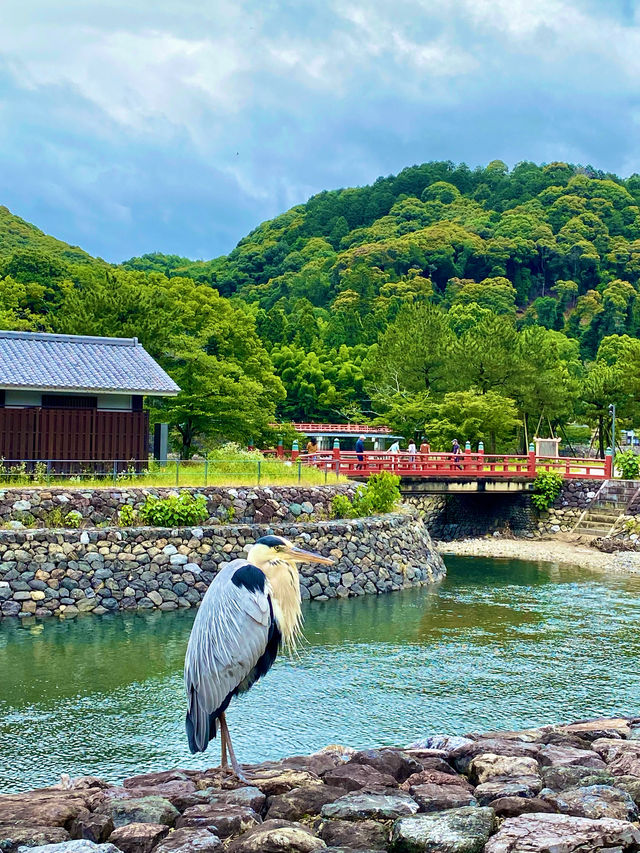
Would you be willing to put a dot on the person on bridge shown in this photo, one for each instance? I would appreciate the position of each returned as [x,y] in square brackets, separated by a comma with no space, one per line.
[425,447]
[360,452]
[312,447]
[457,453]
[411,450]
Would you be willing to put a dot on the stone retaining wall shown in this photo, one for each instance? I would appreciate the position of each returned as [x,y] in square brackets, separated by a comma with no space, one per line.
[97,506]
[66,572]
[575,496]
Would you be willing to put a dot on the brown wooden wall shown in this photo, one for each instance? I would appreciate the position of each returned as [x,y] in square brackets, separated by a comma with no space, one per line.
[73,434]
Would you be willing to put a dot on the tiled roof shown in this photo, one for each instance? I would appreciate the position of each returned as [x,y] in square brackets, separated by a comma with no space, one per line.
[77,363]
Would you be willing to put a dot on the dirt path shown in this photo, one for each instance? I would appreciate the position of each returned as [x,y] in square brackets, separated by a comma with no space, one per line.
[545,550]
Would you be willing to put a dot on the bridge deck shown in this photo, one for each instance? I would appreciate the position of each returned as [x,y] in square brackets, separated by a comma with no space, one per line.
[467,466]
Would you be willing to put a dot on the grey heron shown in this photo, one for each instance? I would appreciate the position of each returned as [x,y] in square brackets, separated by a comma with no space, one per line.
[251,608]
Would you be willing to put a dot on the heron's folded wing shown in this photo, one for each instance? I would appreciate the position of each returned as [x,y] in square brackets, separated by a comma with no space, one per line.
[229,635]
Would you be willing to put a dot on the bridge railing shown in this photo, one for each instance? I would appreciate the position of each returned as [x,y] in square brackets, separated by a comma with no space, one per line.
[466,465]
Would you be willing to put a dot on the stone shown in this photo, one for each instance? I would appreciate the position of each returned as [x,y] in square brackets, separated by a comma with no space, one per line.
[553,833]
[140,810]
[527,786]
[551,755]
[361,835]
[138,837]
[277,836]
[574,776]
[595,801]
[189,841]
[77,846]
[360,806]
[299,802]
[248,796]
[435,777]
[41,808]
[514,806]
[630,784]
[488,767]
[92,826]
[279,780]
[13,837]
[464,830]
[462,756]
[436,798]
[604,727]
[352,777]
[390,761]
[223,819]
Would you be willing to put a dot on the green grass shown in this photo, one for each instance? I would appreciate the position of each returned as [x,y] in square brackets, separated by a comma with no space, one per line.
[215,472]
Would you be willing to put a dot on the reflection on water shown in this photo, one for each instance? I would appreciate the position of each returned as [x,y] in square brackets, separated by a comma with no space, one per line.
[497,644]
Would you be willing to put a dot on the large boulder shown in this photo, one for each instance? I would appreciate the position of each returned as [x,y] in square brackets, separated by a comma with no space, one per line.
[299,802]
[360,806]
[464,830]
[528,786]
[463,755]
[574,776]
[138,837]
[93,826]
[361,835]
[220,818]
[12,837]
[604,727]
[595,801]
[140,810]
[435,777]
[552,755]
[278,780]
[487,767]
[514,806]
[352,777]
[189,840]
[277,836]
[78,846]
[46,807]
[392,762]
[542,833]
[437,798]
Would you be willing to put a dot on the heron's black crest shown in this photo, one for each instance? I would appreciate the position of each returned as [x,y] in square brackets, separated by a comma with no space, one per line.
[250,577]
[271,541]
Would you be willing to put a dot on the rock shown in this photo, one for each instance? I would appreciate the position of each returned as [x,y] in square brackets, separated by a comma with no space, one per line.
[360,806]
[514,806]
[552,833]
[630,784]
[140,810]
[189,841]
[574,776]
[78,846]
[13,837]
[527,786]
[462,756]
[176,791]
[392,762]
[435,777]
[47,807]
[279,780]
[626,765]
[463,830]
[551,755]
[223,819]
[609,749]
[247,796]
[488,767]
[299,802]
[138,837]
[92,826]
[352,777]
[277,836]
[436,798]
[362,835]
[603,727]
[595,801]
[150,779]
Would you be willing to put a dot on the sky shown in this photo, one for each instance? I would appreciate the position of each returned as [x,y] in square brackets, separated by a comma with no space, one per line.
[135,126]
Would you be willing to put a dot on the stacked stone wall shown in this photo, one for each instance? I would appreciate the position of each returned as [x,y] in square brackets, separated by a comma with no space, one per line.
[66,572]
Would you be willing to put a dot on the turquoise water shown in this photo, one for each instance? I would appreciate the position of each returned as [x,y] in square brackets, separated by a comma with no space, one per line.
[498,644]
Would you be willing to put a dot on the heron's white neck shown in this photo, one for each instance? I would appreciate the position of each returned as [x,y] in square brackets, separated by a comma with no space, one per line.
[285,585]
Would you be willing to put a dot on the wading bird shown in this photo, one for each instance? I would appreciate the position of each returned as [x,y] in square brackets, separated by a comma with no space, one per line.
[251,608]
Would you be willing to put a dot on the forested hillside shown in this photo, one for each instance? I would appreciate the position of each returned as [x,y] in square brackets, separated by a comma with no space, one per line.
[485,304]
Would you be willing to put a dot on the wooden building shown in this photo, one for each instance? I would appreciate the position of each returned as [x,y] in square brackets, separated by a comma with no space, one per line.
[75,397]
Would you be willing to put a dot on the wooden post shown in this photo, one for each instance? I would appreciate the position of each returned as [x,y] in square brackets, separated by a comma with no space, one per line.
[467,456]
[295,451]
[336,455]
[608,464]
[480,456]
[280,449]
[531,467]
[251,445]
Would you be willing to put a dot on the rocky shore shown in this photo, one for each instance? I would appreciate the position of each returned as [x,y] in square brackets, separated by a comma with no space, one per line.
[571,788]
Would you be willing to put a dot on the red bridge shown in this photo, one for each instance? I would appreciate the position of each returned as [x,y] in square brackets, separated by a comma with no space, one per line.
[445,466]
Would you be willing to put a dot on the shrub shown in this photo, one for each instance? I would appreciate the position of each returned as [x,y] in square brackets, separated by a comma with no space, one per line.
[127,516]
[381,494]
[546,488]
[73,518]
[175,510]
[628,463]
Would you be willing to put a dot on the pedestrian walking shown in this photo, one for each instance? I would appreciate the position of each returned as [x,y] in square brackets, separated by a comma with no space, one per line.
[412,450]
[425,447]
[360,452]
[457,453]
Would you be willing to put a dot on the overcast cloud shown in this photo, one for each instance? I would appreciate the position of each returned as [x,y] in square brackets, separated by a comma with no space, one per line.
[178,125]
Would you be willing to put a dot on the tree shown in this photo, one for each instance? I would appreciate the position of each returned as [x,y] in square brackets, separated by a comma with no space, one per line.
[471,416]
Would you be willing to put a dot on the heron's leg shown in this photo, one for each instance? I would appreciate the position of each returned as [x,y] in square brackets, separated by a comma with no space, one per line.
[224,729]
[223,750]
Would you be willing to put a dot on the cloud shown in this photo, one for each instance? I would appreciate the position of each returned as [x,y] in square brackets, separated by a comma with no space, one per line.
[179,126]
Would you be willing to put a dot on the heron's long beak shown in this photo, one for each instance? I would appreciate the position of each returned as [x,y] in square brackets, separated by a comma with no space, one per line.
[301,556]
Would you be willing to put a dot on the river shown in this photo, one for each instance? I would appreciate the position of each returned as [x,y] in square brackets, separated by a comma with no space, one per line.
[498,644]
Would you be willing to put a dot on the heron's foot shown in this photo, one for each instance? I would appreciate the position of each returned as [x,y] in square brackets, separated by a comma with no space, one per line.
[239,774]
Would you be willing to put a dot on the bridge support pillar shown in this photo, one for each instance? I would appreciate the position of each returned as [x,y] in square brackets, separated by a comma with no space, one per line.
[532,461]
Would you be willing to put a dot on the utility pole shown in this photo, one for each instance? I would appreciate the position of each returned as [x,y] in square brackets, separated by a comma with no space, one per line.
[612,412]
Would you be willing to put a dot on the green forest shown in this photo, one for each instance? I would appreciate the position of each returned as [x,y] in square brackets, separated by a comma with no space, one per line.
[484,304]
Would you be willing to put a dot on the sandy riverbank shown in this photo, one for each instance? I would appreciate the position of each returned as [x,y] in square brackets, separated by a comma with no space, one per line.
[545,550]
